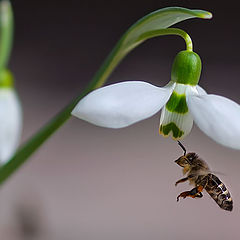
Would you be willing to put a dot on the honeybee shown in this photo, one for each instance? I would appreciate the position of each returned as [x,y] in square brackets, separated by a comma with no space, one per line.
[199,174]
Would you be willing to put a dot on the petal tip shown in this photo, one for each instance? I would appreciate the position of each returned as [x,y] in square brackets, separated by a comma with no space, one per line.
[207,15]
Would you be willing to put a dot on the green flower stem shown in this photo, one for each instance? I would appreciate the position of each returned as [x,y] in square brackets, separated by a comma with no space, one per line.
[169,31]
[138,33]
[6,32]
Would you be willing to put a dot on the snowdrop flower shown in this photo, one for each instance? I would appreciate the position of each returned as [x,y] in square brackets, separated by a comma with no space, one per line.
[182,101]
[10,117]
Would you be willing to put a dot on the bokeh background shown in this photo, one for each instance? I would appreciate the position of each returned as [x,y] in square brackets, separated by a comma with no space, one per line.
[92,183]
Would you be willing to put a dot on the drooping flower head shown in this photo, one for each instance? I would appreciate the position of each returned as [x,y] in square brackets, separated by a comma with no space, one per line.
[182,100]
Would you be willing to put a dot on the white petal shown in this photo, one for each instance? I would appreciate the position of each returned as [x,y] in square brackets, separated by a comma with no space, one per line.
[10,123]
[122,104]
[218,117]
[200,90]
[195,90]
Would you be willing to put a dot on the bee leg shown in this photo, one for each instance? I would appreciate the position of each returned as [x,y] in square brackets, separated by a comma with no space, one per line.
[184,179]
[183,195]
[195,192]
[199,195]
[181,180]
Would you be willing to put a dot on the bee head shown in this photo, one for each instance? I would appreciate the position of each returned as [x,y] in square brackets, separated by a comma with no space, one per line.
[186,160]
[183,161]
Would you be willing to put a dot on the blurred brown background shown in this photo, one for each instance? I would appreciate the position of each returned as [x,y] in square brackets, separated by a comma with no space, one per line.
[93,183]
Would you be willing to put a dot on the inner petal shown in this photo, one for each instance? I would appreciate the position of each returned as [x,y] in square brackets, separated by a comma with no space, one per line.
[176,120]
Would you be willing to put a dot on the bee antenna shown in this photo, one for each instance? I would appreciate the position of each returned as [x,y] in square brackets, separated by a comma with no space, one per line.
[183,148]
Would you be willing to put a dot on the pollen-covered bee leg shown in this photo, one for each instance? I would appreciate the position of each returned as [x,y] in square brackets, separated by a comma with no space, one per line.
[195,192]
[199,195]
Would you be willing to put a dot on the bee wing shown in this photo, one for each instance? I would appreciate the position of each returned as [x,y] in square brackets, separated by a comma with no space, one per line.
[218,173]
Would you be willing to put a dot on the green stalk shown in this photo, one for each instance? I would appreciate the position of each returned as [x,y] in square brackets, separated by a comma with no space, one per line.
[169,31]
[6,32]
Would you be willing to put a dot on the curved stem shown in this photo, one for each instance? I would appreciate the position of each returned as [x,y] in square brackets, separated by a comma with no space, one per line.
[6,32]
[169,31]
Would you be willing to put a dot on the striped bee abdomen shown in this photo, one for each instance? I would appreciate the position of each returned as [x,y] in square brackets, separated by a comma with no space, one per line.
[217,190]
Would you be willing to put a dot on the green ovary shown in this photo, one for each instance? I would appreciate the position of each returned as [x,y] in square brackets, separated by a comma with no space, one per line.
[177,103]
[186,68]
[166,129]
[6,79]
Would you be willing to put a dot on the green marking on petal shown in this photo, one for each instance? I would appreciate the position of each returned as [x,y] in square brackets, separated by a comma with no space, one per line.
[166,129]
[177,103]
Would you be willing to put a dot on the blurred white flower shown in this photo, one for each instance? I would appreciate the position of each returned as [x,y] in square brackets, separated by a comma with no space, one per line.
[10,121]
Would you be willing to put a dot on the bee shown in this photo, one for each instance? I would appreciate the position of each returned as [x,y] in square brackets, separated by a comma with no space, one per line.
[199,174]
